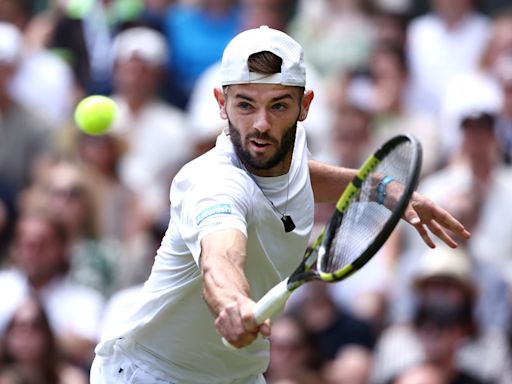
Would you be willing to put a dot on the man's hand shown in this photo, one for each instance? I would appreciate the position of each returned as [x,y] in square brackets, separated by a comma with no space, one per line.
[422,213]
[236,323]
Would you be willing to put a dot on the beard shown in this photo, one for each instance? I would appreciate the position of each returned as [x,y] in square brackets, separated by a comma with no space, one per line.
[283,149]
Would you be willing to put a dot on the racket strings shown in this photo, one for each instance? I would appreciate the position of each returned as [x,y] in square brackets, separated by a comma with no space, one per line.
[364,219]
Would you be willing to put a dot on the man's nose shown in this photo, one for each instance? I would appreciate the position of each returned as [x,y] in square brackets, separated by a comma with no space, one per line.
[262,122]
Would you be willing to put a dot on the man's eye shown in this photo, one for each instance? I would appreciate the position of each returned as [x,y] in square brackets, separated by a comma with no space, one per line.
[245,106]
[279,107]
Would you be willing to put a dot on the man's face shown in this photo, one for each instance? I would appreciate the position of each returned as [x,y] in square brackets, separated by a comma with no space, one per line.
[38,251]
[262,123]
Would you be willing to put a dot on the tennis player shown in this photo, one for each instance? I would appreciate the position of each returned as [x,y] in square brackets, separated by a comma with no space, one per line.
[241,217]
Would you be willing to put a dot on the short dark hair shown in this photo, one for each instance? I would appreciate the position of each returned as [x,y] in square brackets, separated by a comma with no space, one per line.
[264,62]
[483,120]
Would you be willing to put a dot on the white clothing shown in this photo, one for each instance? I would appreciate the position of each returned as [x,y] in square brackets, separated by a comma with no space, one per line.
[70,307]
[120,368]
[171,322]
[490,241]
[437,53]
[467,94]
[45,83]
[158,145]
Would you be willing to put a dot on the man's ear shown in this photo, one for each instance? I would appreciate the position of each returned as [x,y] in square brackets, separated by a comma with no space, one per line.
[221,101]
[305,103]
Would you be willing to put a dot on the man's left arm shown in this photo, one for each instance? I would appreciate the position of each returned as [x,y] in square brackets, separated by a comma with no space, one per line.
[328,182]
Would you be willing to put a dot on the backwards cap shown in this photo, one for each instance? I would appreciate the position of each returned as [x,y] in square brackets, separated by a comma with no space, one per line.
[235,69]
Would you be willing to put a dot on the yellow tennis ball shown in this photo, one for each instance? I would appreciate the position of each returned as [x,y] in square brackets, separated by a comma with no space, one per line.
[94,114]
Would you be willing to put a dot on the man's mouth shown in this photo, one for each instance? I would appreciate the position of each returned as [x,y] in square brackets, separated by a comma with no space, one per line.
[260,143]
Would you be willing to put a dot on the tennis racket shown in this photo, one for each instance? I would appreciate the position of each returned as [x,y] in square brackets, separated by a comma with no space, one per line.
[366,213]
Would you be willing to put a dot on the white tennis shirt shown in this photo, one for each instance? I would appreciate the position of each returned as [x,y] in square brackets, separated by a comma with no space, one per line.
[170,323]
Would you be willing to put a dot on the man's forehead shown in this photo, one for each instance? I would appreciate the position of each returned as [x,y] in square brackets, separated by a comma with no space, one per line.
[263,91]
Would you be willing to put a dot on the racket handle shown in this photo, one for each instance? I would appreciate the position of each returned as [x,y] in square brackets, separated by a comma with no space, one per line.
[272,302]
[269,305]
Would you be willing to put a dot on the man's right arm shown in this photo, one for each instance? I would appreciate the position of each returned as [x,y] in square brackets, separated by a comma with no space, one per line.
[225,287]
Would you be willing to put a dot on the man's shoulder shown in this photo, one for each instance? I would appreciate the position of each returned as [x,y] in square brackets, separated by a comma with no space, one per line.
[212,165]
[211,173]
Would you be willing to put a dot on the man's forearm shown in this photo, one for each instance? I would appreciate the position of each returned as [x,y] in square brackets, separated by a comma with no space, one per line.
[223,283]
[328,181]
[222,268]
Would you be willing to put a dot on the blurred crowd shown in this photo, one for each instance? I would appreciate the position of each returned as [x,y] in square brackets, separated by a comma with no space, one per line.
[81,216]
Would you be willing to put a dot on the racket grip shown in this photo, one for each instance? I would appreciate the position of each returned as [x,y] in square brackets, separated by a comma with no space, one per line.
[272,302]
[269,305]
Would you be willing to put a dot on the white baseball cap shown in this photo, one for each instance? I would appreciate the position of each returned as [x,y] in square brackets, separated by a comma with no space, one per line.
[10,43]
[444,261]
[234,67]
[142,42]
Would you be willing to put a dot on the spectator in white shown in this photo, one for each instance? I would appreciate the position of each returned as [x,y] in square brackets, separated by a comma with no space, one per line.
[24,135]
[40,72]
[467,94]
[492,75]
[441,44]
[155,133]
[40,260]
[478,186]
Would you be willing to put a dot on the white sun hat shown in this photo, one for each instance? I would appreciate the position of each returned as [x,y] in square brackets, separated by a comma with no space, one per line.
[144,43]
[234,67]
[443,261]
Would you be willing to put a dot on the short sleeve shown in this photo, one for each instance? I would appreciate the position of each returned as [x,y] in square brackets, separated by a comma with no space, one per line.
[215,204]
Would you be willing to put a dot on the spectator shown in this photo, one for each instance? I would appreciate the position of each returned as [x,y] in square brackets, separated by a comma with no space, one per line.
[118,206]
[423,373]
[30,345]
[157,143]
[336,35]
[352,365]
[444,329]
[441,329]
[66,191]
[447,41]
[332,327]
[467,94]
[83,35]
[39,72]
[39,265]
[292,353]
[12,375]
[351,138]
[197,32]
[391,27]
[25,136]
[478,187]
[390,85]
